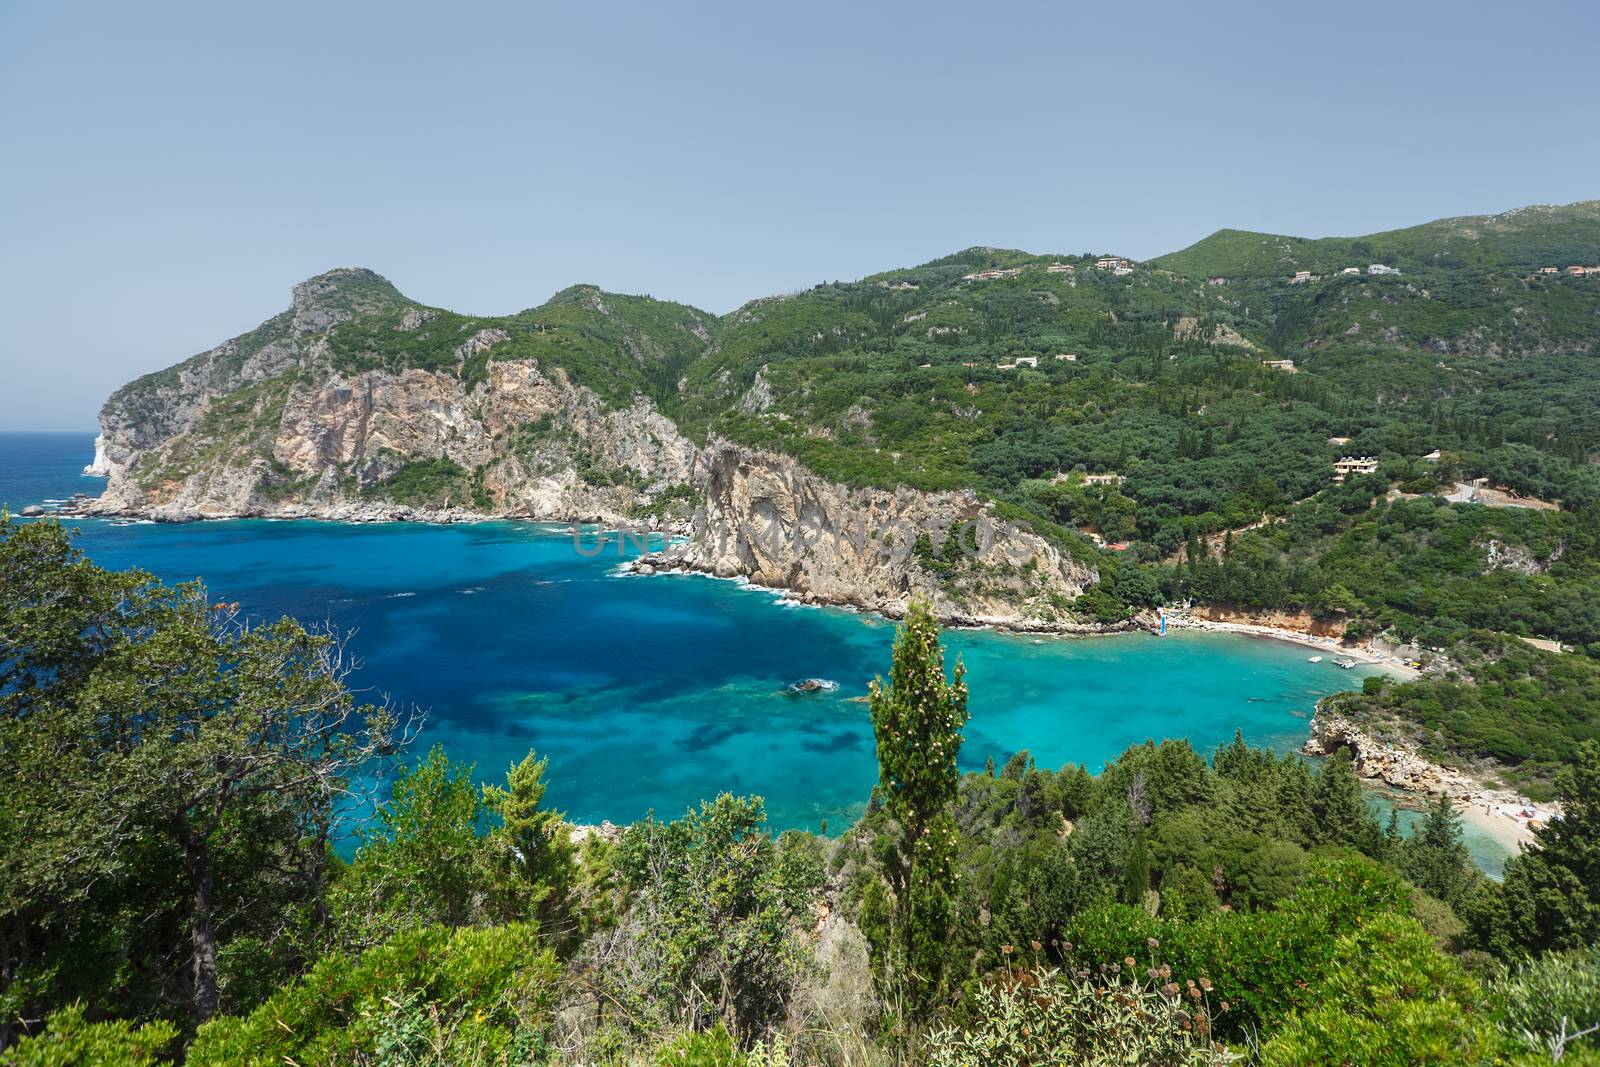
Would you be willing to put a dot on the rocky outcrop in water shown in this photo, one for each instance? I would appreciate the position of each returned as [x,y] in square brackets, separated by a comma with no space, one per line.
[1395,765]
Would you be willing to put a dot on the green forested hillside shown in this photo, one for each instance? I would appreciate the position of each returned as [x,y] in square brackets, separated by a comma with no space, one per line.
[619,346]
[881,385]
[1523,708]
[1127,411]
[1053,368]
[1520,240]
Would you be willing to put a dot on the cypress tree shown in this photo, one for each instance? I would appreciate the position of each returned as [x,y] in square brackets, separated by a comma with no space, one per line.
[916,721]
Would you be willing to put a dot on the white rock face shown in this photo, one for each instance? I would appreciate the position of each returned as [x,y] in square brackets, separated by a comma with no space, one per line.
[768,518]
[100,466]
[415,319]
[522,430]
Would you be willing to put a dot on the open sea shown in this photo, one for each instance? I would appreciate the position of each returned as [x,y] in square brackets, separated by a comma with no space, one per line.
[652,693]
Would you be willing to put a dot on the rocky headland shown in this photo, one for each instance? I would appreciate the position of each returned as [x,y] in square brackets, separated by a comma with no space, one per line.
[1396,764]
[297,420]
[766,518]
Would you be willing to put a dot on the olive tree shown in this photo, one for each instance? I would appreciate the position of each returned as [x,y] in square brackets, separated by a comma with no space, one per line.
[149,737]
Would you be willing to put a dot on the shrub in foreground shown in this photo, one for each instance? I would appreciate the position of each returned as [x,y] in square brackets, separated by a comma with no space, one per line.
[69,1039]
[432,995]
[1388,998]
[1551,1001]
[1043,1015]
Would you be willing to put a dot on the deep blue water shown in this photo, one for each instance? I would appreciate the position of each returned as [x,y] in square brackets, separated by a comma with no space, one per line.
[654,693]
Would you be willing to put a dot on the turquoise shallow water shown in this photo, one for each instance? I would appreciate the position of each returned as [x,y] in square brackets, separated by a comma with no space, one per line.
[653,693]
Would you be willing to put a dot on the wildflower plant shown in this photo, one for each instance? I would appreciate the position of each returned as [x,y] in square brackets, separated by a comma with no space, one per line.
[1117,1014]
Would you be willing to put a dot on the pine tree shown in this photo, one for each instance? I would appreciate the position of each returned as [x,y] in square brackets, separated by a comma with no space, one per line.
[1339,810]
[1434,858]
[1232,760]
[1550,891]
[530,850]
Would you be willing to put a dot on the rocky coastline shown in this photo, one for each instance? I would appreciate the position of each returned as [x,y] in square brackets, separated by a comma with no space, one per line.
[291,422]
[894,608]
[867,574]
[669,562]
[855,573]
[356,512]
[1509,817]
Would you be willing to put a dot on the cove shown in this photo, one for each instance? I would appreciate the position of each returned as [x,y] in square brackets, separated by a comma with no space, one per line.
[653,693]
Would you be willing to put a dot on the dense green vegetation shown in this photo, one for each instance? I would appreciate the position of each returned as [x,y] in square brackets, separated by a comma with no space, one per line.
[618,346]
[1521,240]
[173,780]
[1524,709]
[911,377]
[1418,569]
[172,777]
[426,482]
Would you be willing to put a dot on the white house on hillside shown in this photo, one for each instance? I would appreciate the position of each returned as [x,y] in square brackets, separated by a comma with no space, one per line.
[1350,465]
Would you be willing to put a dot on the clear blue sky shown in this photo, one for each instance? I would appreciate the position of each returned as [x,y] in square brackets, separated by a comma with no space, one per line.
[167,171]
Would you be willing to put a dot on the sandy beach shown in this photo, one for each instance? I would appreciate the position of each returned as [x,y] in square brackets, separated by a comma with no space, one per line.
[1511,832]
[1326,645]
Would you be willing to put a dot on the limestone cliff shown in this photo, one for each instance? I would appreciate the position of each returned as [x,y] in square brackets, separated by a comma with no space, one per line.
[358,404]
[768,518]
[153,410]
[279,423]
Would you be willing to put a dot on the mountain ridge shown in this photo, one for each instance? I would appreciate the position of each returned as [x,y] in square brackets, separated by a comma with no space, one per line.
[343,279]
[1503,240]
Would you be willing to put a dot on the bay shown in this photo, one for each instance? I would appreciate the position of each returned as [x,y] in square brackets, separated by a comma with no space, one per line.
[653,693]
